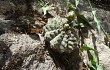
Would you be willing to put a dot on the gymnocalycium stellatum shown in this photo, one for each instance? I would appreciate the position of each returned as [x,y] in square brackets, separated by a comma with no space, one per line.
[61,34]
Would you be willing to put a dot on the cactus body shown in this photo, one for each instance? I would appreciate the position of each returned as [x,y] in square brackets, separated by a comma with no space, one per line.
[62,38]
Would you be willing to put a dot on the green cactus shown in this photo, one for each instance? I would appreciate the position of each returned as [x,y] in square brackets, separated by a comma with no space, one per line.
[61,35]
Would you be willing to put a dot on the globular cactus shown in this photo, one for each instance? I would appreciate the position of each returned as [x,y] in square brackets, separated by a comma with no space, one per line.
[61,35]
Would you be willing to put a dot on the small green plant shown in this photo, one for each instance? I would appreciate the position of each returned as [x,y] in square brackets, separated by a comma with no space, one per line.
[93,62]
[97,21]
[45,7]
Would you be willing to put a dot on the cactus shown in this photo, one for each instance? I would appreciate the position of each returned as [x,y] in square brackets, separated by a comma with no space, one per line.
[61,35]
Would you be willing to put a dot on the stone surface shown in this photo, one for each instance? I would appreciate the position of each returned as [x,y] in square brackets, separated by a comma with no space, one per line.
[20,51]
[5,25]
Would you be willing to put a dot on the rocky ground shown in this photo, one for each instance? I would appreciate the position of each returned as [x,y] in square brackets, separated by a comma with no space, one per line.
[24,51]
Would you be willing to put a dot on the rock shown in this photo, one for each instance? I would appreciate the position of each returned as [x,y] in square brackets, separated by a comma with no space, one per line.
[22,52]
[4,53]
[5,25]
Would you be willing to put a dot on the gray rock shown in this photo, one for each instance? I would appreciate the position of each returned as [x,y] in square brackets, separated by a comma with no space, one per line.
[25,53]
[5,25]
